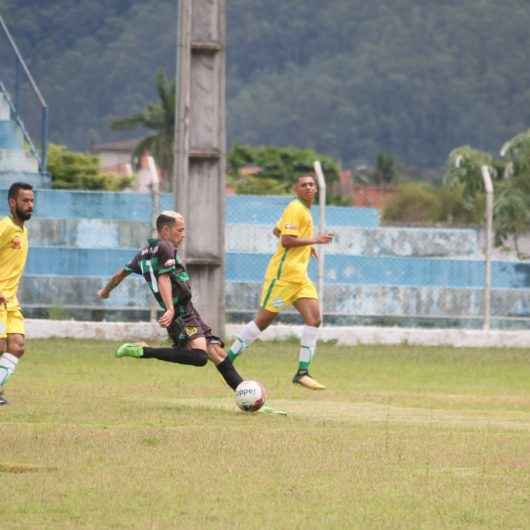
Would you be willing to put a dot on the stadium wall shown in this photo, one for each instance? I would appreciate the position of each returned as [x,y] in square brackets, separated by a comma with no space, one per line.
[344,336]
[374,275]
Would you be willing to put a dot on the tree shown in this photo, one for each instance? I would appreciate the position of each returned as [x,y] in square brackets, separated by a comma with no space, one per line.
[385,169]
[386,79]
[464,176]
[279,167]
[512,207]
[414,202]
[159,117]
[80,171]
[464,166]
[511,216]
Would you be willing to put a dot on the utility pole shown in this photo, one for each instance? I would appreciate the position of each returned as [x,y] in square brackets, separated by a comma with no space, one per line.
[200,140]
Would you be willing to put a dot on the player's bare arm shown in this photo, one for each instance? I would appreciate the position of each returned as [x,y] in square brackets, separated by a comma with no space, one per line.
[276,232]
[166,292]
[3,299]
[293,241]
[112,283]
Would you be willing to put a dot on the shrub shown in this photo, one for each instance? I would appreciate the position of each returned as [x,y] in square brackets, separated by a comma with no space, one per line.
[80,171]
[413,203]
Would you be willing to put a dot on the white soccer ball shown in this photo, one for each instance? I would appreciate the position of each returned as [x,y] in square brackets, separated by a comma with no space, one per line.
[250,396]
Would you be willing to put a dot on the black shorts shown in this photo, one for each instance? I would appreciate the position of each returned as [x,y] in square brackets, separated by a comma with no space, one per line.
[189,325]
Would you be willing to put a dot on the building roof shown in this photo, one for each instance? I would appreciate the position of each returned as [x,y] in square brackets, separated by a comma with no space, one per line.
[121,146]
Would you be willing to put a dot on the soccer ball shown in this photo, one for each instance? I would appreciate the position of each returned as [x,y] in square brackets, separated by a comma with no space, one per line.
[250,396]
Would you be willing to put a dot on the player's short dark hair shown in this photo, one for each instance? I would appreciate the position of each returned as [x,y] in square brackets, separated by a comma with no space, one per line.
[307,175]
[13,189]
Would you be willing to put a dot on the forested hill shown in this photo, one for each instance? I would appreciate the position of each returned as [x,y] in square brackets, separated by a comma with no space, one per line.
[350,78]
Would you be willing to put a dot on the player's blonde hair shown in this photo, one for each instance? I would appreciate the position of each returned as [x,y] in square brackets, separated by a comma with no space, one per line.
[168,217]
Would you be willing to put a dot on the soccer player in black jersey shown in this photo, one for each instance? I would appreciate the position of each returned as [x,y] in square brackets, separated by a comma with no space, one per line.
[193,342]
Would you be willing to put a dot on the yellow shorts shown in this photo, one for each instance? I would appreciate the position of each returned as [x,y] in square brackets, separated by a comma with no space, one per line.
[11,321]
[277,294]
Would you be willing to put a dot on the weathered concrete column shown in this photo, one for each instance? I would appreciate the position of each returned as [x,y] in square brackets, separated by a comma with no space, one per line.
[200,150]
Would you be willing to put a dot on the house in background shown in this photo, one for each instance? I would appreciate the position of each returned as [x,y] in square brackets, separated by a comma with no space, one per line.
[115,157]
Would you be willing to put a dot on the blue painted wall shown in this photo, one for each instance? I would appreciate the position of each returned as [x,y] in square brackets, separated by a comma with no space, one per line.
[250,267]
[419,272]
[59,204]
[9,135]
[373,272]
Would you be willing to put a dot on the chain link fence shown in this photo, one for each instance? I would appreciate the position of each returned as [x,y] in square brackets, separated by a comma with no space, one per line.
[374,275]
[383,276]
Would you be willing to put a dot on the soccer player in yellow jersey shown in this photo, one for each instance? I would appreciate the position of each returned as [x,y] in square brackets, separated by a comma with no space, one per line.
[13,254]
[287,283]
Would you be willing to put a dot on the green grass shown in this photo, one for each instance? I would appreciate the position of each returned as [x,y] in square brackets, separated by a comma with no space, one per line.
[403,439]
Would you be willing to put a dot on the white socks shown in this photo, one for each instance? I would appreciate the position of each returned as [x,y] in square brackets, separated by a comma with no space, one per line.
[247,336]
[251,332]
[308,343]
[8,364]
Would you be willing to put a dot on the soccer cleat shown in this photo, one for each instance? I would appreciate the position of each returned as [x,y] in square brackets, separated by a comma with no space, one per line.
[130,350]
[265,409]
[3,400]
[303,378]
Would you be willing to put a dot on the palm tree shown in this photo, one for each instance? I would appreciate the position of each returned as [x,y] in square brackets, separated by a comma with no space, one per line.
[513,206]
[159,117]
[464,166]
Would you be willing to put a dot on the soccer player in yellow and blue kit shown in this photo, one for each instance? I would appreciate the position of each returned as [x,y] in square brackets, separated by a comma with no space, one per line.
[287,283]
[13,254]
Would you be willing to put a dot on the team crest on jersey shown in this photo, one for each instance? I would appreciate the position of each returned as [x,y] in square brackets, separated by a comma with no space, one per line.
[191,330]
[278,303]
[15,243]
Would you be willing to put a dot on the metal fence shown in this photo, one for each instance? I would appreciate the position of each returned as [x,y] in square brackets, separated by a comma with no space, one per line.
[27,106]
[374,275]
[386,276]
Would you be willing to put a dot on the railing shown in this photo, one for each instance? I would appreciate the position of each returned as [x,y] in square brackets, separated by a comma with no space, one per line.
[28,108]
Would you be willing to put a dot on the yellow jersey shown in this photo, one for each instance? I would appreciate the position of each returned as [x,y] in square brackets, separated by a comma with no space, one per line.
[290,264]
[13,254]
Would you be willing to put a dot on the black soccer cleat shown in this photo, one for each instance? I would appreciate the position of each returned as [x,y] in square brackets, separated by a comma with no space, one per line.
[3,400]
[303,378]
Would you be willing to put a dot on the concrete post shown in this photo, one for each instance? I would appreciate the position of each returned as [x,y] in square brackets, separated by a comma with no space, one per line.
[200,140]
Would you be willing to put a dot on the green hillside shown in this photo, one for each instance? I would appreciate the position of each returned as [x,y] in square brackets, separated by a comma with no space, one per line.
[345,77]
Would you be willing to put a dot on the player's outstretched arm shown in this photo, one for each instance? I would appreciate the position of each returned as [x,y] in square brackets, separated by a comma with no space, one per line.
[293,241]
[112,283]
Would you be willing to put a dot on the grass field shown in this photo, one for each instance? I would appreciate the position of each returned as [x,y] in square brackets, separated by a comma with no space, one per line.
[404,438]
